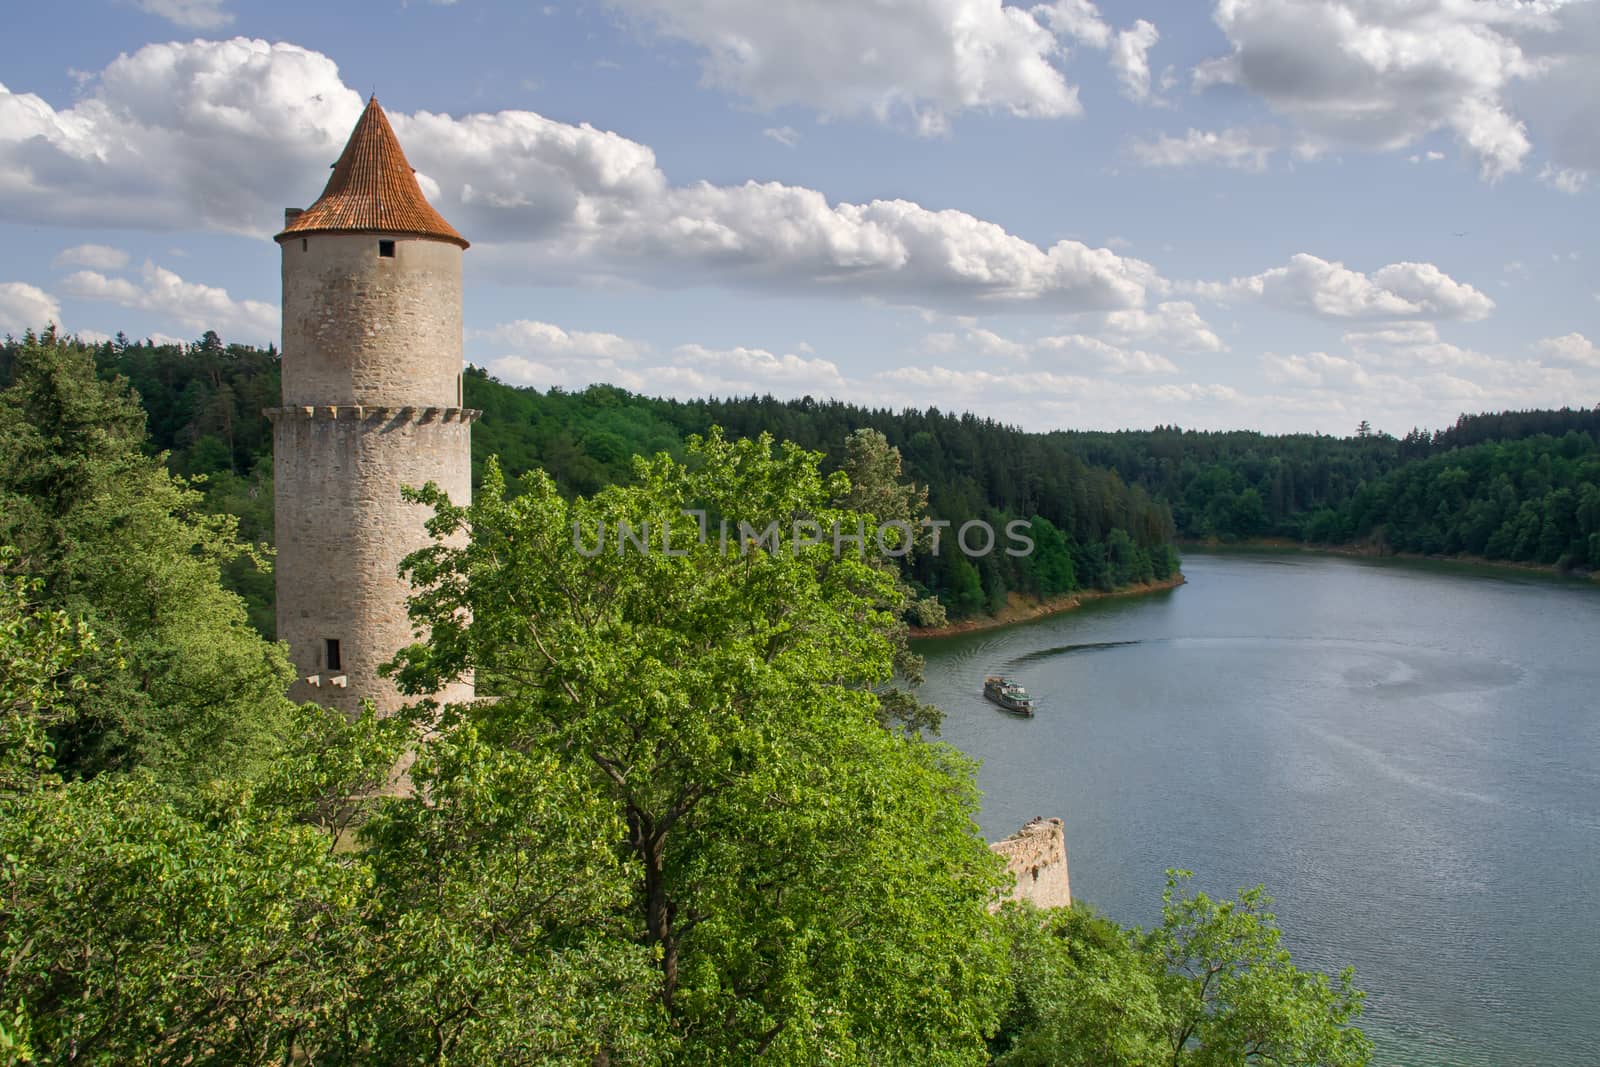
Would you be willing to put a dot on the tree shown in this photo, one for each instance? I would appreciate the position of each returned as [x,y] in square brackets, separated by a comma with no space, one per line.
[873,467]
[812,886]
[1211,986]
[183,684]
[1231,994]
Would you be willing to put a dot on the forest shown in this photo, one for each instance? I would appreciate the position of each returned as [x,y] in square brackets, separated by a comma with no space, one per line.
[1514,486]
[686,831]
[1105,507]
[1090,530]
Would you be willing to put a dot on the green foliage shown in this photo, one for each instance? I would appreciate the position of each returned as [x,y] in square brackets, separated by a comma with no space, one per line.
[39,651]
[811,885]
[1211,986]
[183,685]
[873,468]
[1533,500]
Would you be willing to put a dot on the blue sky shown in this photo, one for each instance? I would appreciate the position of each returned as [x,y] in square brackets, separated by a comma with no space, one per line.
[1282,214]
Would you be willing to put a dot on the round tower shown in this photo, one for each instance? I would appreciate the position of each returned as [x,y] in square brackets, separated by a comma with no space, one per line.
[372,403]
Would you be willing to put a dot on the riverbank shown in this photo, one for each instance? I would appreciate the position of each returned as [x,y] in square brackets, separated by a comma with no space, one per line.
[1367,550]
[1023,608]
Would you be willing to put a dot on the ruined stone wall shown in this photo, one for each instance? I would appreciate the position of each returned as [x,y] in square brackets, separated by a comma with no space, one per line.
[365,329]
[342,531]
[1036,856]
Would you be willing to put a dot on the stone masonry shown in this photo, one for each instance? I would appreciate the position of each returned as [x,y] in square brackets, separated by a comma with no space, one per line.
[1036,856]
[372,404]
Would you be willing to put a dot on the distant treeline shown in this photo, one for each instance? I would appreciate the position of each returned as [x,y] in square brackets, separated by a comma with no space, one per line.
[1105,507]
[1514,485]
[1090,529]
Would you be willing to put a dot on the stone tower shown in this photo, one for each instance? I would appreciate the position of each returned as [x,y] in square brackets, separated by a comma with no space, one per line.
[372,402]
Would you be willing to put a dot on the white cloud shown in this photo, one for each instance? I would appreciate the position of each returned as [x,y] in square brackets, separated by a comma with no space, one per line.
[1105,357]
[916,61]
[26,307]
[1241,149]
[1077,19]
[1080,351]
[1130,59]
[696,370]
[784,135]
[547,355]
[1382,74]
[545,340]
[1398,334]
[1331,290]
[189,14]
[97,257]
[1571,350]
[219,134]
[1316,370]
[976,341]
[919,59]
[1173,324]
[1566,179]
[193,305]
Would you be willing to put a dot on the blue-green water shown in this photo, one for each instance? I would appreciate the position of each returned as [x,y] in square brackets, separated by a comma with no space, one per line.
[1407,757]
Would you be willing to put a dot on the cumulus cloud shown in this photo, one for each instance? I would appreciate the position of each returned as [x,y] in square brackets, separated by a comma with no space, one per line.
[213,133]
[26,307]
[1112,349]
[1130,59]
[922,59]
[98,257]
[1172,324]
[1382,74]
[543,354]
[193,305]
[1566,179]
[1332,290]
[548,341]
[189,14]
[1237,148]
[696,370]
[1571,350]
[1096,354]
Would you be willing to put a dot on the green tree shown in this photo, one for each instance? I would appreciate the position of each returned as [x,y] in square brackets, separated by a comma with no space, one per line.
[185,686]
[812,886]
[1211,986]
[873,467]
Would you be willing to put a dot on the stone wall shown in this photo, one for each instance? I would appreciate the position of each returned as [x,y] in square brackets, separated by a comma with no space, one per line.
[371,405]
[360,328]
[1036,856]
[342,530]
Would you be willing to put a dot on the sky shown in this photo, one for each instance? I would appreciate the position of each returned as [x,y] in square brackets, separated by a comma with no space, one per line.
[1287,215]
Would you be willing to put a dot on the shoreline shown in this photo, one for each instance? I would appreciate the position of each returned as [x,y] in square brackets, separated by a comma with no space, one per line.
[1021,607]
[1371,551]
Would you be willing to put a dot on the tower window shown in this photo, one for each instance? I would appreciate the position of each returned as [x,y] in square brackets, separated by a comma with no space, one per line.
[334,662]
[302,244]
[386,249]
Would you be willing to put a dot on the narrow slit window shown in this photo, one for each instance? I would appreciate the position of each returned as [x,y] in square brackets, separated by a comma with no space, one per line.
[386,249]
[334,662]
[302,244]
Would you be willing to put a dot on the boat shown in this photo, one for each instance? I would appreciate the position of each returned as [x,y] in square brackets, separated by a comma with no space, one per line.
[1008,694]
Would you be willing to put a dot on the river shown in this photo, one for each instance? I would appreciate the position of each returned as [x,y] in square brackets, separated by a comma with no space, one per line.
[1406,755]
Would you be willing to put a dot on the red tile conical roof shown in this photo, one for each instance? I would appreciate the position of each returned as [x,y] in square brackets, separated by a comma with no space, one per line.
[373,190]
